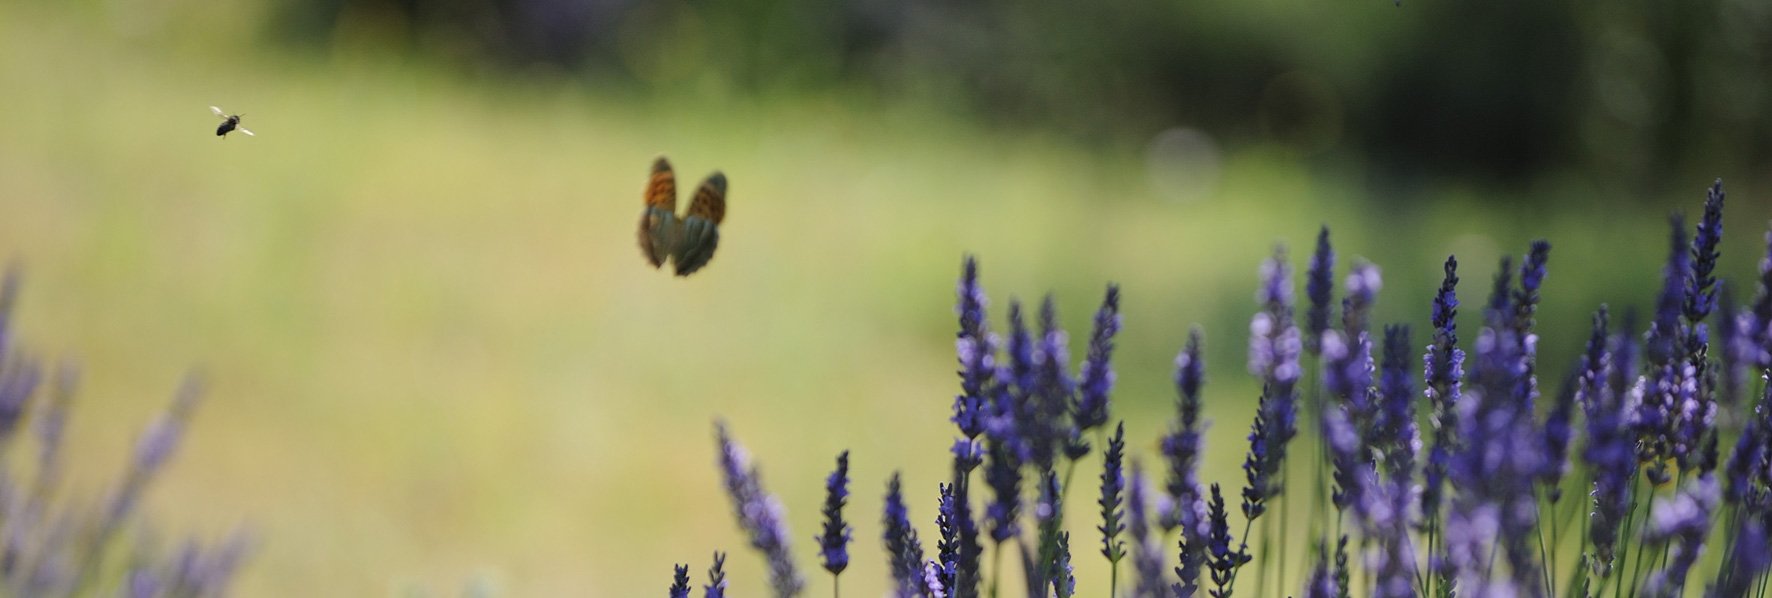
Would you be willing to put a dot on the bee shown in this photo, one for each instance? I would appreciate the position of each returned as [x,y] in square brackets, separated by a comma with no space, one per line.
[688,241]
[230,122]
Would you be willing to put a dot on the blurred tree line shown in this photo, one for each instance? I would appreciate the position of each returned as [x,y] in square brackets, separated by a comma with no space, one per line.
[1636,93]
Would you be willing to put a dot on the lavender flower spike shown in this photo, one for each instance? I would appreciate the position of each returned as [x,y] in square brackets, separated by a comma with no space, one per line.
[680,582]
[1090,410]
[834,543]
[977,349]
[1321,584]
[1113,483]
[1181,447]
[760,514]
[1701,295]
[1610,452]
[902,545]
[1319,286]
[1444,375]
[716,587]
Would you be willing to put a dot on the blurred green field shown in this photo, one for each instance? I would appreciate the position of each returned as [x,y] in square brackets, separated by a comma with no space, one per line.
[437,359]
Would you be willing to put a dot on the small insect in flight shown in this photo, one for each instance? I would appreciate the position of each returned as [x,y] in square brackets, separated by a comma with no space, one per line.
[689,241]
[230,122]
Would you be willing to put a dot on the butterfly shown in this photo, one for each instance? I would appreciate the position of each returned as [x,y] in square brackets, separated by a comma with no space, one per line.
[689,241]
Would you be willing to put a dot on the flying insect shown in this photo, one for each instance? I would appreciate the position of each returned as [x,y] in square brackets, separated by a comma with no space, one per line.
[688,241]
[230,122]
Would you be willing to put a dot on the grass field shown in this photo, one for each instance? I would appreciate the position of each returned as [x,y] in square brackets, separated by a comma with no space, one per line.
[436,358]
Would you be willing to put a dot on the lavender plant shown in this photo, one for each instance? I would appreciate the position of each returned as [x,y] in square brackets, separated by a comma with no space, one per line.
[56,542]
[1473,504]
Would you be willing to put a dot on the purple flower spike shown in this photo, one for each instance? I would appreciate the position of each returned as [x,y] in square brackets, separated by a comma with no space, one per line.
[834,543]
[680,583]
[1273,355]
[1394,433]
[1003,473]
[1735,338]
[1181,447]
[1610,452]
[1701,283]
[1444,373]
[1064,578]
[1224,561]
[1113,484]
[1557,433]
[1746,561]
[959,549]
[1097,376]
[716,587]
[759,513]
[1525,302]
[1319,285]
[902,545]
[1363,283]
[977,349]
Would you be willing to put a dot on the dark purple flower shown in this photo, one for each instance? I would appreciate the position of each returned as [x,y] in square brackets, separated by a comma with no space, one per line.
[1049,427]
[1557,431]
[716,587]
[1113,483]
[1500,310]
[1760,314]
[1002,473]
[1224,561]
[1525,303]
[1319,285]
[1181,447]
[1610,452]
[1394,432]
[1443,367]
[1701,280]
[1064,579]
[902,545]
[759,513]
[680,583]
[1097,376]
[977,349]
[959,547]
[1273,349]
[834,543]
[1670,398]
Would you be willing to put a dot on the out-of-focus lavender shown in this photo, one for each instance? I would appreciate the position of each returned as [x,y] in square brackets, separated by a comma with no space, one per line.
[54,542]
[1684,521]
[1319,284]
[1147,554]
[759,513]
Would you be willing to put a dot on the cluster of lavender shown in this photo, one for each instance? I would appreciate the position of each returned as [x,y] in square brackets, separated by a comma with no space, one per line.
[1450,483]
[57,543]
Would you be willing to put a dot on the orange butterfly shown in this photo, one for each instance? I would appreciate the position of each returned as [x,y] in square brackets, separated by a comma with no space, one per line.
[691,240]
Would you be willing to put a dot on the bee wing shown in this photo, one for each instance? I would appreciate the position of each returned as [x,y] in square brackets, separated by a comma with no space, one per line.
[218,112]
[248,133]
[700,233]
[658,219]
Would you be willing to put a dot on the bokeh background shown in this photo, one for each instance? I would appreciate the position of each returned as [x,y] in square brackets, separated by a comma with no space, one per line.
[437,363]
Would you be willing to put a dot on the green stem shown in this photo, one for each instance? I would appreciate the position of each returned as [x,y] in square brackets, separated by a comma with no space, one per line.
[996,567]
[836,592]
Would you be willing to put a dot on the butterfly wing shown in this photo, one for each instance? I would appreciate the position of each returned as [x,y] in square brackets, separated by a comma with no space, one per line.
[700,233]
[658,220]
